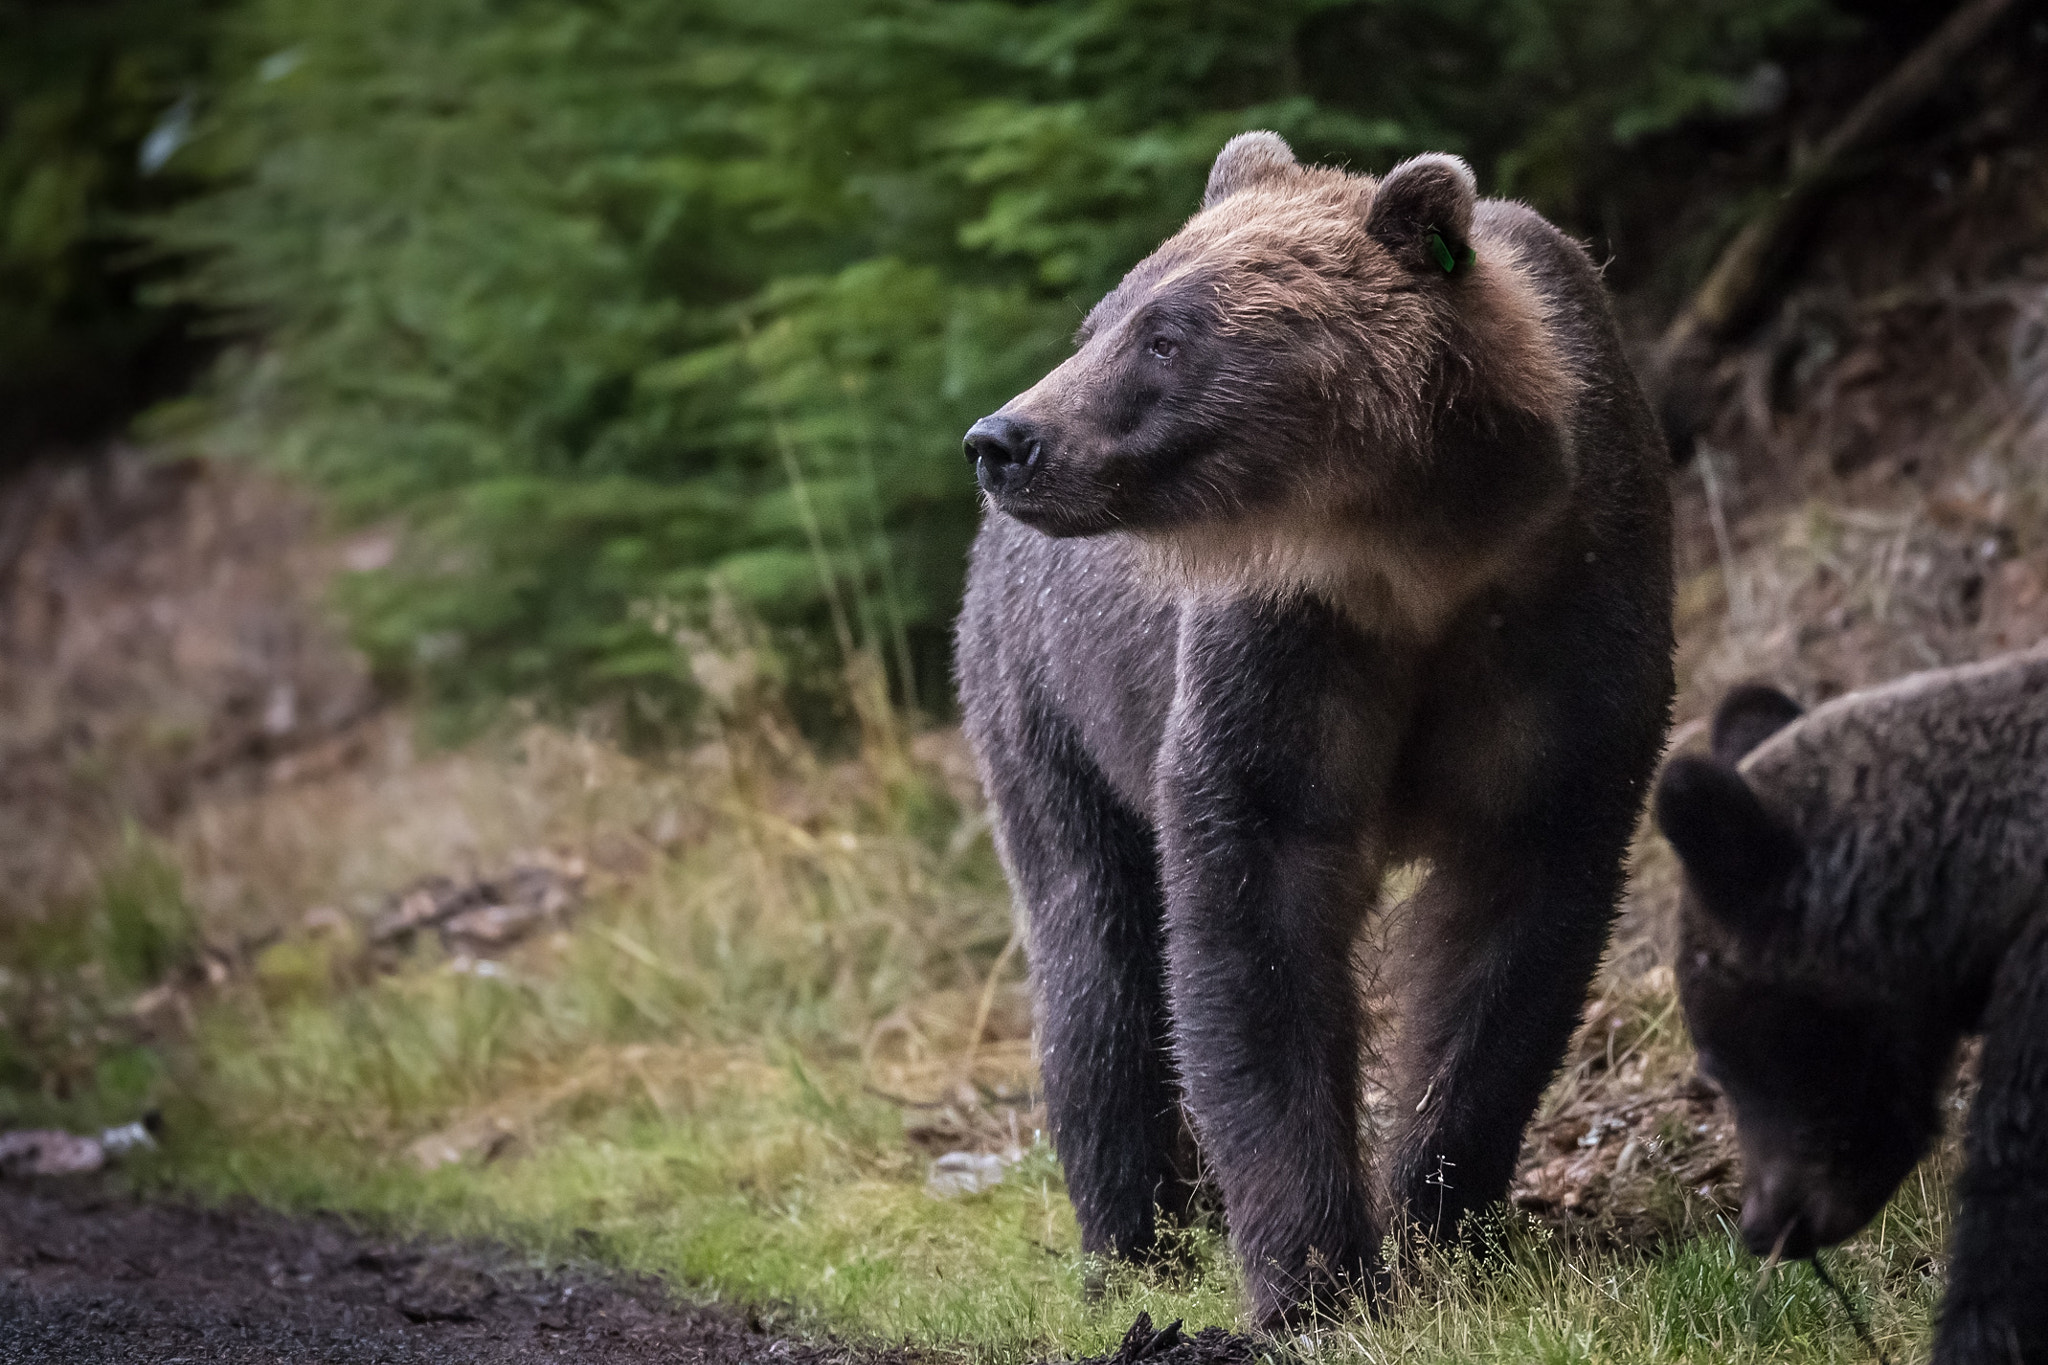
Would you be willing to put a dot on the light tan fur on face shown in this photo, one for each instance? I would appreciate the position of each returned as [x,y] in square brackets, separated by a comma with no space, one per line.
[1328,538]
[1497,318]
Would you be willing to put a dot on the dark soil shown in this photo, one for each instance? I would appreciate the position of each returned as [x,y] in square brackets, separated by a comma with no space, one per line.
[88,1275]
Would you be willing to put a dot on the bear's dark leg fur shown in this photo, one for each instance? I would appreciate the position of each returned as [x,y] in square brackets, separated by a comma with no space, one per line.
[1997,1303]
[1272,779]
[1087,871]
[1493,957]
[1500,945]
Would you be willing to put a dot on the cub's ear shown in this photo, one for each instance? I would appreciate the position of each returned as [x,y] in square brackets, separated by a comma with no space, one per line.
[1736,853]
[1246,160]
[1747,716]
[1422,213]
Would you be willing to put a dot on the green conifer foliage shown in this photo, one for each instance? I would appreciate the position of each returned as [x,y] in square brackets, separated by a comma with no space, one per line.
[96,97]
[630,306]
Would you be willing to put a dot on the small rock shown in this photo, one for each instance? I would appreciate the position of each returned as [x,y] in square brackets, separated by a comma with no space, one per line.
[485,1138]
[128,1137]
[49,1151]
[958,1173]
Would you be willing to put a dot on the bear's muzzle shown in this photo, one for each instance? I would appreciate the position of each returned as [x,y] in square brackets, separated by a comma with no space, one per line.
[1006,455]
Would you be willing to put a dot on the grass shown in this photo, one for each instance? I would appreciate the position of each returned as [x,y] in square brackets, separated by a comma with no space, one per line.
[765,1198]
[779,1191]
[733,1068]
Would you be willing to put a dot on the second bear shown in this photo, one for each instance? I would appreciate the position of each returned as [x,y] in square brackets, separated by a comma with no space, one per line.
[1866,885]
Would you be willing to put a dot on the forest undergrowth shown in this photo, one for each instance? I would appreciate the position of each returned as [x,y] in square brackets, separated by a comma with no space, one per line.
[778,1054]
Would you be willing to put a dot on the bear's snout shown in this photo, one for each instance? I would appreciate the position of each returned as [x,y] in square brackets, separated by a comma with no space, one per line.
[1796,1212]
[1006,454]
[1768,1227]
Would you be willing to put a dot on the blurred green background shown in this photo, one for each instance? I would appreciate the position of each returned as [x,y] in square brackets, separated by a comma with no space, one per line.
[642,314]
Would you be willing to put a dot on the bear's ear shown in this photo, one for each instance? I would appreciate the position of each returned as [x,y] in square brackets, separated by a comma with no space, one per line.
[1422,213]
[1247,160]
[1747,716]
[1736,853]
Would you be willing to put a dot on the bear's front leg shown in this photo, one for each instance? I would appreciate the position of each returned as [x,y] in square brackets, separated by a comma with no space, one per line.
[1272,780]
[1087,873]
[1996,1308]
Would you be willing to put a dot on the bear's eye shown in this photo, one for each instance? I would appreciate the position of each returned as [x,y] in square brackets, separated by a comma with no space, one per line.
[1166,348]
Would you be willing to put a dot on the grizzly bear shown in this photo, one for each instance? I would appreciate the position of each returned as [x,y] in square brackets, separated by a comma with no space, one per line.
[1866,885]
[1340,542]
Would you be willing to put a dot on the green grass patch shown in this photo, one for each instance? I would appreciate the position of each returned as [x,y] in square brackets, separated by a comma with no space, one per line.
[733,1070]
[821,1218]
[821,1221]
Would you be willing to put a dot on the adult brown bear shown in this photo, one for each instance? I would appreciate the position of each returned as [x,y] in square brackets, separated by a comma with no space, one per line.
[1341,541]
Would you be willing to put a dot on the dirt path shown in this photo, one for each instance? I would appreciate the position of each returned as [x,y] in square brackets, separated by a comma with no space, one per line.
[90,1276]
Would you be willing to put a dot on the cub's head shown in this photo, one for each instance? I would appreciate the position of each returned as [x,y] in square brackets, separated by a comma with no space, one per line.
[1833,1070]
[1287,346]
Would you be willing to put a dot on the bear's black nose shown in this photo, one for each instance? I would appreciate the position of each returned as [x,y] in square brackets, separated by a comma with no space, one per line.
[1765,1230]
[1005,454]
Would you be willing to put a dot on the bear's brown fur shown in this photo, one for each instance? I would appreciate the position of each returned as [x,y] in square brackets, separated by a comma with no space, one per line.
[1341,541]
[1866,885]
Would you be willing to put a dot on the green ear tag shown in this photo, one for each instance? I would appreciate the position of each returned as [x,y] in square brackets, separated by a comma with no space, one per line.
[1435,242]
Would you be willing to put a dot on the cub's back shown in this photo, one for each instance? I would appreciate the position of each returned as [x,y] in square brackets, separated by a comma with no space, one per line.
[1923,801]
[1981,726]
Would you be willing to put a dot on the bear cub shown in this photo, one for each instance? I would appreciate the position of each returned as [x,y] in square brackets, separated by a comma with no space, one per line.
[1340,542]
[1866,885]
